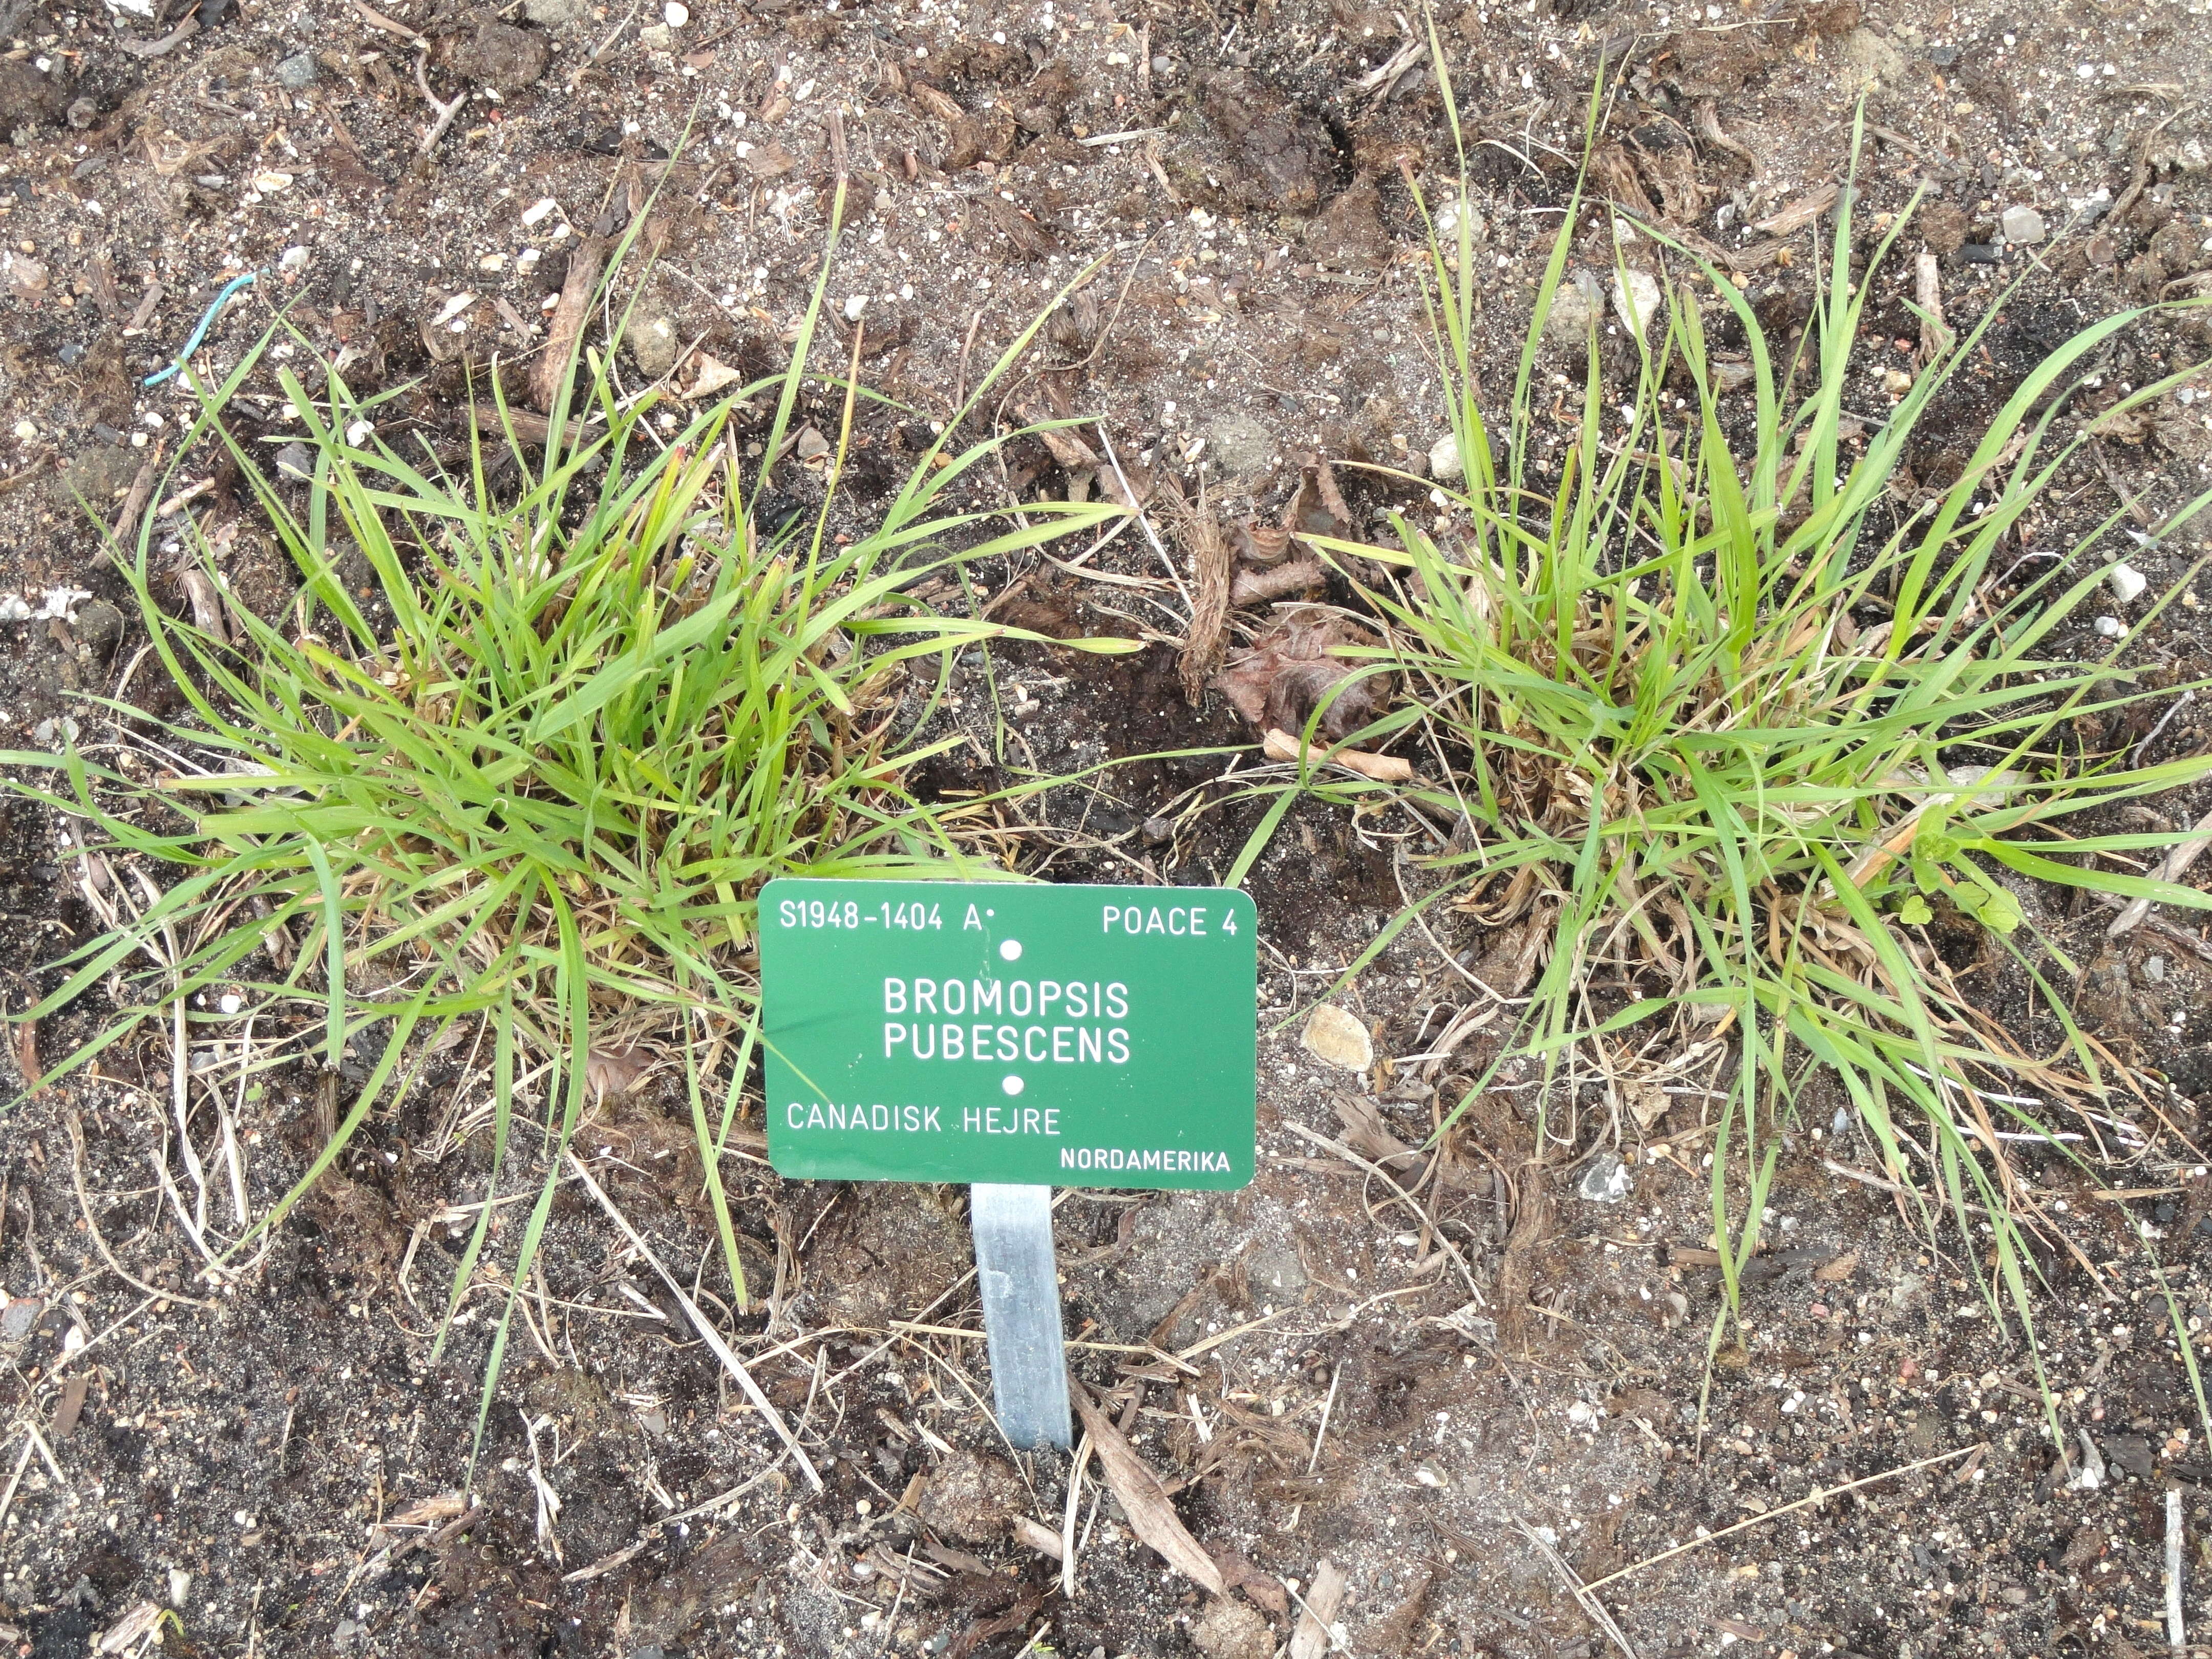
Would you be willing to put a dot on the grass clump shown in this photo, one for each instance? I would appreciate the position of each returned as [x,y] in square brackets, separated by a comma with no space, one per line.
[532,781]
[1737,711]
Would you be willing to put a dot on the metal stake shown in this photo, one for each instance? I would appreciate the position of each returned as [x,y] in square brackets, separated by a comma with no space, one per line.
[1021,1312]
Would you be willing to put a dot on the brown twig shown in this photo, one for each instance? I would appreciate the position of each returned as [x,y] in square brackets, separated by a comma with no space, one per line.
[554,368]
[1279,745]
[1209,610]
[446,111]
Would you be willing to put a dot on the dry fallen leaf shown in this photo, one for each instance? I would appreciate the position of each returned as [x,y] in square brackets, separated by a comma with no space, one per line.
[1291,669]
[771,160]
[1318,509]
[1144,1500]
[615,1071]
[1300,577]
[26,1056]
[1265,545]
[938,104]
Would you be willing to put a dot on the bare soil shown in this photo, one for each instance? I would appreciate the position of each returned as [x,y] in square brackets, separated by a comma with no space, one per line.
[1327,1376]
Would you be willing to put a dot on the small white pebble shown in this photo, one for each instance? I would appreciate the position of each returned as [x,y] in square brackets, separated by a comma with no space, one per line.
[232,1002]
[537,211]
[854,307]
[2111,627]
[675,14]
[2126,582]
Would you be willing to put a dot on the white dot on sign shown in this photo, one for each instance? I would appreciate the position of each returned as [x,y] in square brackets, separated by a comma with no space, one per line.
[1011,1084]
[1010,949]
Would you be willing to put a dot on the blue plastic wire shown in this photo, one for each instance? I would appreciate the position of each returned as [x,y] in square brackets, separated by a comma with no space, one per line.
[207,322]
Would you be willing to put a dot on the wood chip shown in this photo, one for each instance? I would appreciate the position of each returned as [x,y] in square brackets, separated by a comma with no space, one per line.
[139,1622]
[162,47]
[1071,451]
[1366,1133]
[1279,745]
[1515,1277]
[1142,1499]
[71,1405]
[1039,1537]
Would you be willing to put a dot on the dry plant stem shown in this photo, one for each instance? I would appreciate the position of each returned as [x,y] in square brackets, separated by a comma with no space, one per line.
[2175,867]
[1068,1518]
[1590,1604]
[376,19]
[1279,745]
[2177,1631]
[1404,1197]
[1321,1434]
[214,1268]
[99,1239]
[1927,292]
[1137,507]
[8,1497]
[446,111]
[699,1322]
[2166,930]
[1818,1495]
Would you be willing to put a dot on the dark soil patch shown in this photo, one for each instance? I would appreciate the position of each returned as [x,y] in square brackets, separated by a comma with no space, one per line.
[284,1465]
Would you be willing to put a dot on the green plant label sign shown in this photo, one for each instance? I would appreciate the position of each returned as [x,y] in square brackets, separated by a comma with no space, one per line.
[975,1031]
